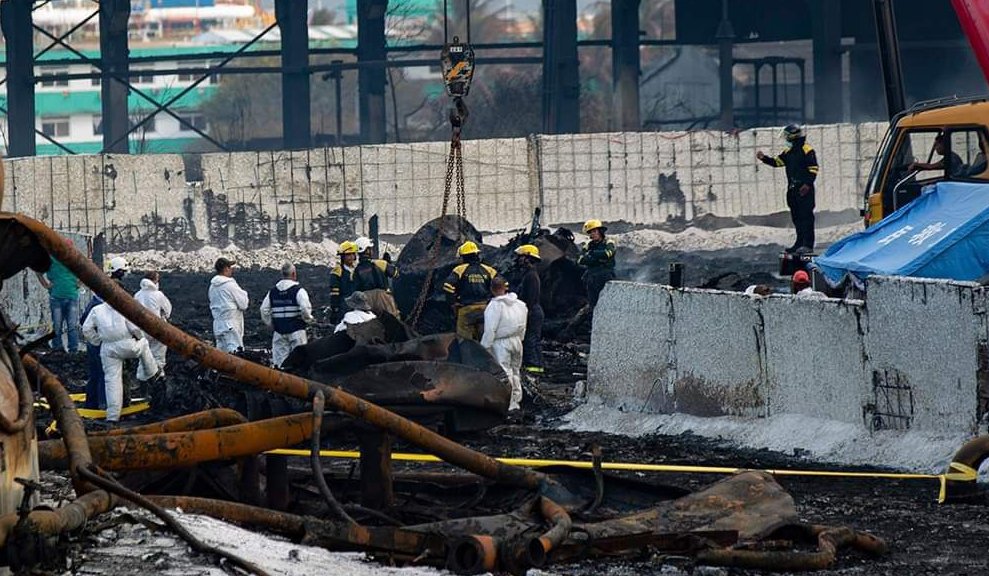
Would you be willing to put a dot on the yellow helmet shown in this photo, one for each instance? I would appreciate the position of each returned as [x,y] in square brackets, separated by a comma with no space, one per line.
[468,247]
[528,250]
[592,225]
[347,247]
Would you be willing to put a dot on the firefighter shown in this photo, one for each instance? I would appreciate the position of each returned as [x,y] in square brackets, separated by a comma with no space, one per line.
[468,289]
[286,309]
[800,162]
[373,277]
[342,280]
[530,292]
[598,258]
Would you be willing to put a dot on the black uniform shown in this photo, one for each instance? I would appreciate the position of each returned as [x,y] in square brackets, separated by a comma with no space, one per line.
[371,274]
[801,166]
[598,257]
[530,292]
[342,285]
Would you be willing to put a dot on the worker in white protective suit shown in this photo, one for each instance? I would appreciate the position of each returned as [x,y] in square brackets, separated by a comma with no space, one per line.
[504,327]
[227,302]
[151,297]
[286,309]
[360,311]
[118,340]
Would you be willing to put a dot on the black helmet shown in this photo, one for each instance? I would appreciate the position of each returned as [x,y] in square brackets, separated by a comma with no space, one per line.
[792,132]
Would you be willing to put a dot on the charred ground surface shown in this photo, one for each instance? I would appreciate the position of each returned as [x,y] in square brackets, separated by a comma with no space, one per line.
[924,537]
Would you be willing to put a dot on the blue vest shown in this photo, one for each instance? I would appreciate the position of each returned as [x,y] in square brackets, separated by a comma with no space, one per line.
[286,315]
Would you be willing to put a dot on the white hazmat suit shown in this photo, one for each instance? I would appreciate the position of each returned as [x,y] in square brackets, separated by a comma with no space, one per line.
[283,344]
[118,340]
[227,302]
[504,327]
[152,298]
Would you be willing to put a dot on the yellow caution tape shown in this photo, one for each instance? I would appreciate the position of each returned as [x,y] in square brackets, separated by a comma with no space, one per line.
[42,403]
[963,473]
[94,414]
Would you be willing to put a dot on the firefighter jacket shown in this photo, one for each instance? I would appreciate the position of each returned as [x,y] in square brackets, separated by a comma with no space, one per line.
[598,255]
[286,307]
[470,283]
[342,284]
[370,274]
[800,162]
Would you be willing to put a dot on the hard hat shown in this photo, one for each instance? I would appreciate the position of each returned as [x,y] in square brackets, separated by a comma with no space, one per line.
[347,247]
[363,243]
[118,263]
[801,277]
[468,248]
[528,250]
[792,132]
[593,225]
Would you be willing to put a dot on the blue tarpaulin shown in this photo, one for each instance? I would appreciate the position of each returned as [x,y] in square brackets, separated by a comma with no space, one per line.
[942,234]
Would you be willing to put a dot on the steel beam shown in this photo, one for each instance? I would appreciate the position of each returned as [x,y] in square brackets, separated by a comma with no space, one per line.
[561,74]
[114,53]
[726,58]
[625,62]
[826,24]
[15,21]
[371,80]
[292,18]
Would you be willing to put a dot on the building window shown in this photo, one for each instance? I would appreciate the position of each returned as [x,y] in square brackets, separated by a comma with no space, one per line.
[148,126]
[97,125]
[138,78]
[48,80]
[55,127]
[189,78]
[196,120]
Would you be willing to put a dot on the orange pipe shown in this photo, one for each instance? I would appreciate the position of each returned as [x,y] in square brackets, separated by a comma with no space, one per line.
[72,516]
[269,379]
[184,449]
[216,418]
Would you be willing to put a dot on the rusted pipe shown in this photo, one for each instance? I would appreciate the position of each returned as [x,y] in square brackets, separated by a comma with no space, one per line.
[25,396]
[472,555]
[962,473]
[74,440]
[72,516]
[283,523]
[269,379]
[206,420]
[184,449]
[829,540]
[537,549]
[316,463]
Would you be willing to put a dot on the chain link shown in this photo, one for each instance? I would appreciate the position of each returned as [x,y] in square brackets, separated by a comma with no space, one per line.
[454,168]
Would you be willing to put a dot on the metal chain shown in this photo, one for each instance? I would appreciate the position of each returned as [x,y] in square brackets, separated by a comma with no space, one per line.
[454,166]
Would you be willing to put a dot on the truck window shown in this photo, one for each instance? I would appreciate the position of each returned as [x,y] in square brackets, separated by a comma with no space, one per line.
[970,146]
[917,148]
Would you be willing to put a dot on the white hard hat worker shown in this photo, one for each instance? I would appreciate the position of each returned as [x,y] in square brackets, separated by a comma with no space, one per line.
[118,265]
[363,243]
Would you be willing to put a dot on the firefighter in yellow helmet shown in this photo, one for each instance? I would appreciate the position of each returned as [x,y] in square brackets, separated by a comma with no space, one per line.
[530,292]
[597,256]
[468,289]
[373,277]
[342,282]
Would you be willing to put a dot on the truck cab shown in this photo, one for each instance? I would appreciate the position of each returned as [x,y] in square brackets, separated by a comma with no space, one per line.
[962,128]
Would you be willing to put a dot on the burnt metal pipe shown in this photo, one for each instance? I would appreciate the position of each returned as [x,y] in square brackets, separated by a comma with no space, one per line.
[216,418]
[537,549]
[74,441]
[283,523]
[474,554]
[962,473]
[25,396]
[829,540]
[269,379]
[184,449]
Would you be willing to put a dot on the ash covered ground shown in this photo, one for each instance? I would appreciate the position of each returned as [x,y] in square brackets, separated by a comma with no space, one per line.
[924,537]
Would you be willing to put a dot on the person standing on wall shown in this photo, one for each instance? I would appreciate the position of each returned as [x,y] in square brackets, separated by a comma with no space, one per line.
[468,289]
[800,162]
[287,310]
[63,296]
[227,302]
[373,277]
[530,292]
[342,280]
[598,259]
[151,297]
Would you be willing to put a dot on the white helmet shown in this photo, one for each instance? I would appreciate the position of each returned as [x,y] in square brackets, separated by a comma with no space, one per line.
[363,243]
[118,263]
